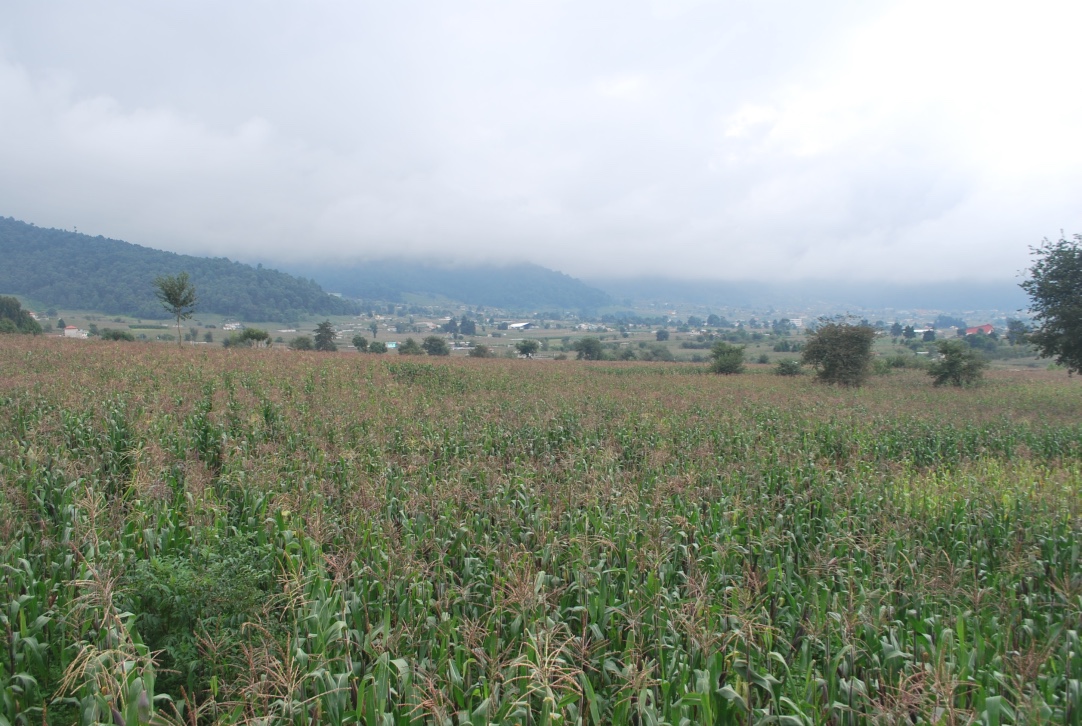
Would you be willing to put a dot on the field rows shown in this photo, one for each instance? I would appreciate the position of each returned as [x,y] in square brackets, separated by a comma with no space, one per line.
[222,536]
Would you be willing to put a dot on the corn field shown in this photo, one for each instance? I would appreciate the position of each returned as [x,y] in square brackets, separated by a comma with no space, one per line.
[212,536]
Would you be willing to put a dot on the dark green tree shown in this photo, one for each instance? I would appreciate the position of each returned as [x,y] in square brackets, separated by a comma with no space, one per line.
[908,333]
[301,342]
[1055,294]
[588,349]
[324,338]
[481,351]
[360,343]
[61,324]
[410,347]
[176,293]
[958,365]
[727,358]
[928,336]
[527,347]
[840,352]
[15,319]
[374,327]
[377,347]
[435,345]
[662,335]
[1017,332]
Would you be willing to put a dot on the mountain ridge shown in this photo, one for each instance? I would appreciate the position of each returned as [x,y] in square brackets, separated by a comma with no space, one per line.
[521,286]
[73,270]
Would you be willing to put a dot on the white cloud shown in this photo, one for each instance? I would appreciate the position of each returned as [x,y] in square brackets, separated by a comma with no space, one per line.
[707,139]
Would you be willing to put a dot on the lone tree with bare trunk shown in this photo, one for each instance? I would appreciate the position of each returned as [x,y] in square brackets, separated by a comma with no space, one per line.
[177,295]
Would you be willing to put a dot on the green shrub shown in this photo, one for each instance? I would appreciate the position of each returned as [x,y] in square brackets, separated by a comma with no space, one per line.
[728,359]
[958,365]
[789,367]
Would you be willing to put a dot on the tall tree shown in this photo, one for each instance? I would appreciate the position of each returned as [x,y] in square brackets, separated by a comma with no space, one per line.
[1055,292]
[324,338]
[177,295]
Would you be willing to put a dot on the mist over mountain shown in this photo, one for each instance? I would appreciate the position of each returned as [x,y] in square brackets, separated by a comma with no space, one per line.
[1002,295]
[72,270]
[511,287]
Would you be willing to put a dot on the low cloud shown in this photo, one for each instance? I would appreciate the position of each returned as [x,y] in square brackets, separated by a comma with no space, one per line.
[694,139]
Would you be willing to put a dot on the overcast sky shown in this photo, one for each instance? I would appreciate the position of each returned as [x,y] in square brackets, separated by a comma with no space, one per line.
[864,140]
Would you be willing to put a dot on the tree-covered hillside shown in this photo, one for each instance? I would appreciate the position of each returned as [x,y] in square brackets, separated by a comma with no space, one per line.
[13,319]
[72,270]
[512,287]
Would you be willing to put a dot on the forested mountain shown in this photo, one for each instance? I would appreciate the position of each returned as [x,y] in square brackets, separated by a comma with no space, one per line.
[71,270]
[511,287]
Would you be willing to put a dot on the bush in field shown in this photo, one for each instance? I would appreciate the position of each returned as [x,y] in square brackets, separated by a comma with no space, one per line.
[248,338]
[219,589]
[727,358]
[788,367]
[435,345]
[656,352]
[840,352]
[410,347]
[661,335]
[111,334]
[301,342]
[360,343]
[377,347]
[958,365]
[481,351]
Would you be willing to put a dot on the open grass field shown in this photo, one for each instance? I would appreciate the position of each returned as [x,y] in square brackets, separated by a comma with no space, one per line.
[261,536]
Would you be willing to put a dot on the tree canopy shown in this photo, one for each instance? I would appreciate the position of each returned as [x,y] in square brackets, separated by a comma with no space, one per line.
[840,352]
[13,319]
[324,338]
[435,345]
[588,348]
[177,295]
[527,347]
[1055,292]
